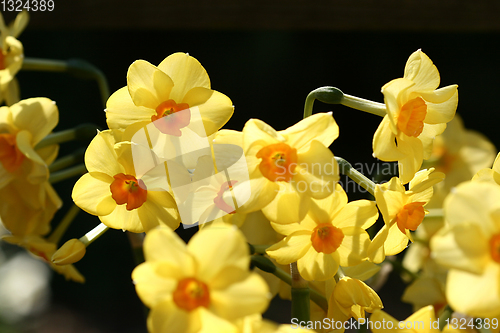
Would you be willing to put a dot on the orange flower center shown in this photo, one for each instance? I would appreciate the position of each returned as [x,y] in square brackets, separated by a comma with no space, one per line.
[169,120]
[278,163]
[191,294]
[126,189]
[495,247]
[218,200]
[410,216]
[10,155]
[326,238]
[411,117]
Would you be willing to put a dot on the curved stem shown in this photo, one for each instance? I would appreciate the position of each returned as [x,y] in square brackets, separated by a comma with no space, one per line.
[77,67]
[365,105]
[61,228]
[300,295]
[67,160]
[347,169]
[67,173]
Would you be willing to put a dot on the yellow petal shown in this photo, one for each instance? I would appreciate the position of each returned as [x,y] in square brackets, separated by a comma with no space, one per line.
[318,266]
[151,287]
[362,271]
[316,172]
[186,72]
[477,295]
[420,69]
[241,299]
[384,144]
[121,218]
[395,96]
[441,104]
[463,246]
[391,198]
[148,86]
[354,246]
[257,134]
[262,192]
[38,116]
[320,127]
[39,171]
[159,210]
[291,248]
[359,213]
[21,21]
[166,316]
[428,135]
[220,265]
[122,112]
[93,195]
[413,156]
[289,205]
[101,157]
[215,108]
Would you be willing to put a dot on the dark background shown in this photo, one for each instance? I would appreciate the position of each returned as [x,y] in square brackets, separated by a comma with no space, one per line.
[266,58]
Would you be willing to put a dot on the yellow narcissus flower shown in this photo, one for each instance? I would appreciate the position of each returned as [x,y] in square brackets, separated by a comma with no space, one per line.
[350,299]
[287,168]
[470,246]
[11,57]
[402,211]
[332,234]
[22,126]
[489,175]
[116,194]
[204,286]
[178,83]
[416,112]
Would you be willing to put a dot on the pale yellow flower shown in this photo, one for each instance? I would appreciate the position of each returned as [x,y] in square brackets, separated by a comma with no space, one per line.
[165,94]
[11,57]
[332,234]
[470,247]
[352,298]
[204,286]
[287,168]
[114,192]
[403,211]
[416,112]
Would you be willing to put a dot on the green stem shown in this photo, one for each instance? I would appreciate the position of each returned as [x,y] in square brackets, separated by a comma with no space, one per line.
[61,228]
[77,67]
[93,234]
[446,314]
[365,105]
[332,95]
[136,243]
[81,132]
[347,169]
[300,295]
[260,249]
[266,265]
[67,160]
[58,176]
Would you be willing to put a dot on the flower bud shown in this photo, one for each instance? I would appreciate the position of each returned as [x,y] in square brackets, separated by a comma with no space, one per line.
[71,252]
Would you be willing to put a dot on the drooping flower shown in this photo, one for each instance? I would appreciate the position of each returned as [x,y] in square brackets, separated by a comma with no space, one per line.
[351,298]
[416,112]
[332,234]
[11,57]
[287,168]
[114,192]
[165,95]
[470,247]
[204,286]
[403,211]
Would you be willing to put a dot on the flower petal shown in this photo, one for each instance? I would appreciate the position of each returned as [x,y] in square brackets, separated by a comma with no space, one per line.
[101,156]
[159,210]
[320,127]
[384,143]
[121,218]
[38,116]
[148,86]
[291,248]
[186,72]
[420,69]
[151,287]
[289,205]
[122,112]
[441,104]
[318,266]
[93,195]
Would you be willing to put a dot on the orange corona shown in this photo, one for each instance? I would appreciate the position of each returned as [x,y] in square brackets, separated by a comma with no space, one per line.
[278,163]
[411,117]
[10,155]
[410,216]
[126,189]
[168,118]
[191,294]
[326,238]
[495,247]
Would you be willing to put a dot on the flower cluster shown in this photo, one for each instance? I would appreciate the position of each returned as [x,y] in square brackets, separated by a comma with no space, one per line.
[272,216]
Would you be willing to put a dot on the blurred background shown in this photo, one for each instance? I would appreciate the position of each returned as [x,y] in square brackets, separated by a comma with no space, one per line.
[266,56]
